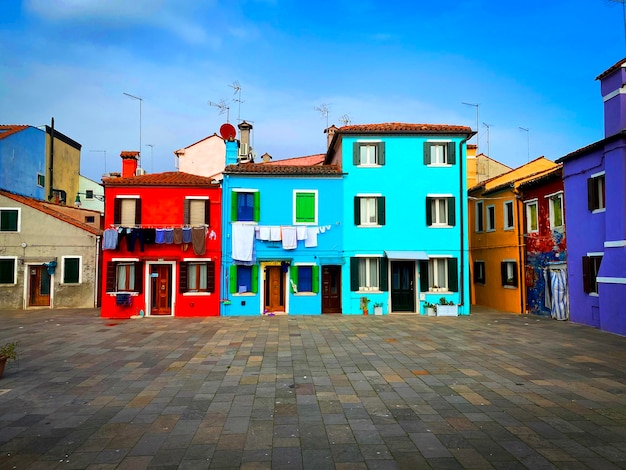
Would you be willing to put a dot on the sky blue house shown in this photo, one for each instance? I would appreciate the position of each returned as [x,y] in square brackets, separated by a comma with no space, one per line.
[282,237]
[405,238]
[23,160]
[595,193]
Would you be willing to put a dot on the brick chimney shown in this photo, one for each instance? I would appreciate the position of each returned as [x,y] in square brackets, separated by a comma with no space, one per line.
[129,163]
[331,132]
[613,89]
[244,138]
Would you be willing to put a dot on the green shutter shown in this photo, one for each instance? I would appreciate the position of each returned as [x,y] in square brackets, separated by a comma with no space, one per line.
[233,278]
[139,267]
[233,206]
[8,220]
[293,274]
[384,282]
[356,157]
[453,275]
[7,271]
[451,213]
[210,274]
[429,214]
[381,210]
[186,211]
[451,153]
[586,274]
[423,265]
[381,153]
[117,211]
[182,276]
[315,282]
[305,207]
[503,272]
[255,279]
[207,212]
[354,274]
[111,277]
[591,195]
[426,153]
[71,271]
[357,210]
[257,206]
[138,212]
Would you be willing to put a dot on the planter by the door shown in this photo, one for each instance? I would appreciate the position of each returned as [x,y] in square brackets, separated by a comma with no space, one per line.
[378,310]
[447,310]
[430,311]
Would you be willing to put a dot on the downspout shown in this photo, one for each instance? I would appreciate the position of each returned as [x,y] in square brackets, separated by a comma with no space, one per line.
[461,224]
[521,245]
[50,168]
[97,275]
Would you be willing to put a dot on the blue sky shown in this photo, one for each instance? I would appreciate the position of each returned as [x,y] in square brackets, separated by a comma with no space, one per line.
[526,64]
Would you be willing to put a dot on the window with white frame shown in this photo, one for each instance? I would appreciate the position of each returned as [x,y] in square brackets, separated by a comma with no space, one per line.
[41,180]
[8,270]
[596,196]
[124,276]
[532,216]
[197,275]
[439,153]
[591,267]
[439,274]
[305,206]
[555,202]
[368,273]
[508,270]
[10,219]
[479,272]
[71,266]
[127,211]
[196,211]
[491,218]
[440,211]
[304,279]
[369,210]
[245,205]
[480,216]
[369,153]
[509,220]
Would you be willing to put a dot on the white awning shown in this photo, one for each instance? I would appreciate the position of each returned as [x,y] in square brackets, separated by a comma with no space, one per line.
[407,255]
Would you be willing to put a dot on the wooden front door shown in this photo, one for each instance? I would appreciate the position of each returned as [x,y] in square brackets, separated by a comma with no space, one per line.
[331,289]
[161,289]
[274,289]
[38,286]
[403,286]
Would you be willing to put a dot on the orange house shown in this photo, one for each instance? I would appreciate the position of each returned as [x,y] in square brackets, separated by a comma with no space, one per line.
[496,238]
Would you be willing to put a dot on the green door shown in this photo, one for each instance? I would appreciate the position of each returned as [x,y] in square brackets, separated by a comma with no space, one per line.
[403,286]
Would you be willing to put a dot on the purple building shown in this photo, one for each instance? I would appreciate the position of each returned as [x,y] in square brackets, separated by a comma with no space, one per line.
[595,192]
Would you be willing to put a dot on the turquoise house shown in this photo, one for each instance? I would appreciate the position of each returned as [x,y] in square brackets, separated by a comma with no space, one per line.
[282,237]
[405,240]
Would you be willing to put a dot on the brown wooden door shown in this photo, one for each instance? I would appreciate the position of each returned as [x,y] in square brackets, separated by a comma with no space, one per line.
[274,289]
[161,286]
[331,289]
[38,286]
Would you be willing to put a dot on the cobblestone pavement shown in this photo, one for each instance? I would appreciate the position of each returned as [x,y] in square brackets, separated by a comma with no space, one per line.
[493,390]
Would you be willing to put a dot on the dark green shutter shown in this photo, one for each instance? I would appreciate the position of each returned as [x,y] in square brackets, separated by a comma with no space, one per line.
[384,281]
[423,265]
[451,213]
[515,277]
[111,277]
[503,272]
[354,274]
[591,194]
[381,210]
[233,278]
[451,153]
[138,212]
[8,220]
[255,279]
[356,156]
[293,274]
[381,153]
[426,153]
[453,275]
[139,277]
[117,212]
[186,210]
[210,274]
[429,213]
[257,206]
[71,271]
[182,275]
[357,210]
[586,274]
[207,212]
[233,206]
[315,281]
[7,271]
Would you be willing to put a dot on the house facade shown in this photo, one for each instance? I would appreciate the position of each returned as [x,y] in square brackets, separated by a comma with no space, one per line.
[282,237]
[161,244]
[204,158]
[58,267]
[545,248]
[405,241]
[595,191]
[496,218]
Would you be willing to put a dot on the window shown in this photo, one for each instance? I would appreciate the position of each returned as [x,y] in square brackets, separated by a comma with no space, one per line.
[8,270]
[245,206]
[595,192]
[439,273]
[491,218]
[480,216]
[369,210]
[124,276]
[532,221]
[90,219]
[89,194]
[71,270]
[368,274]
[244,279]
[127,211]
[440,211]
[305,207]
[439,153]
[556,210]
[591,267]
[197,211]
[479,272]
[197,276]
[9,220]
[304,279]
[509,273]
[369,153]
[41,180]
[509,222]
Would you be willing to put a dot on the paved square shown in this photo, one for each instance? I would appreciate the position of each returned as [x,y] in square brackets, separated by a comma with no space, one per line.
[493,390]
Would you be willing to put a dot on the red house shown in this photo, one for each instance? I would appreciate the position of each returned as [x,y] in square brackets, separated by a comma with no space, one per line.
[161,247]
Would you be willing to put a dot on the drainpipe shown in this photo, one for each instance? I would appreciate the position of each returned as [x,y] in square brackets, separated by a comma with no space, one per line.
[97,272]
[461,224]
[521,246]
[50,168]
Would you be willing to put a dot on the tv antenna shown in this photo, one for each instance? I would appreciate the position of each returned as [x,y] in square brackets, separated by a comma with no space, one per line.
[345,120]
[237,88]
[623,2]
[223,107]
[324,110]
[488,126]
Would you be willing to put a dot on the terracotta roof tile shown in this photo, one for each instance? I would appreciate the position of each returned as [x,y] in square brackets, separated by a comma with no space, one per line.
[611,69]
[299,161]
[168,178]
[129,153]
[10,129]
[47,208]
[282,170]
[404,128]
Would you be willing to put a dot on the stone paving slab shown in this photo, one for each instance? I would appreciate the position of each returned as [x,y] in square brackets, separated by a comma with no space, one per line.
[490,391]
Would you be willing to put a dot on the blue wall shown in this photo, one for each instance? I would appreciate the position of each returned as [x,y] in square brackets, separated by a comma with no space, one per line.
[22,157]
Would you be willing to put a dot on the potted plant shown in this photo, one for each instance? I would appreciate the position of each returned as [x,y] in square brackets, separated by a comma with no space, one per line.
[447,308]
[430,309]
[364,303]
[378,308]
[8,352]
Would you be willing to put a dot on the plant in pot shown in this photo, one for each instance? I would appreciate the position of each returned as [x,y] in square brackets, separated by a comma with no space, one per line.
[378,308]
[430,309]
[8,352]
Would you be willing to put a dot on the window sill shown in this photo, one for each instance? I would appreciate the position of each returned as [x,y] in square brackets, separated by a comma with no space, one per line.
[509,287]
[244,294]
[244,222]
[370,165]
[197,294]
[508,229]
[593,294]
[305,294]
[441,226]
[489,230]
[71,283]
[441,291]
[369,226]
[439,165]
[113,294]
[370,290]
[598,211]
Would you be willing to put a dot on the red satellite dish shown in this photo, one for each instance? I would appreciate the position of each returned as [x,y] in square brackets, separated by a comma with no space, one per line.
[228,131]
